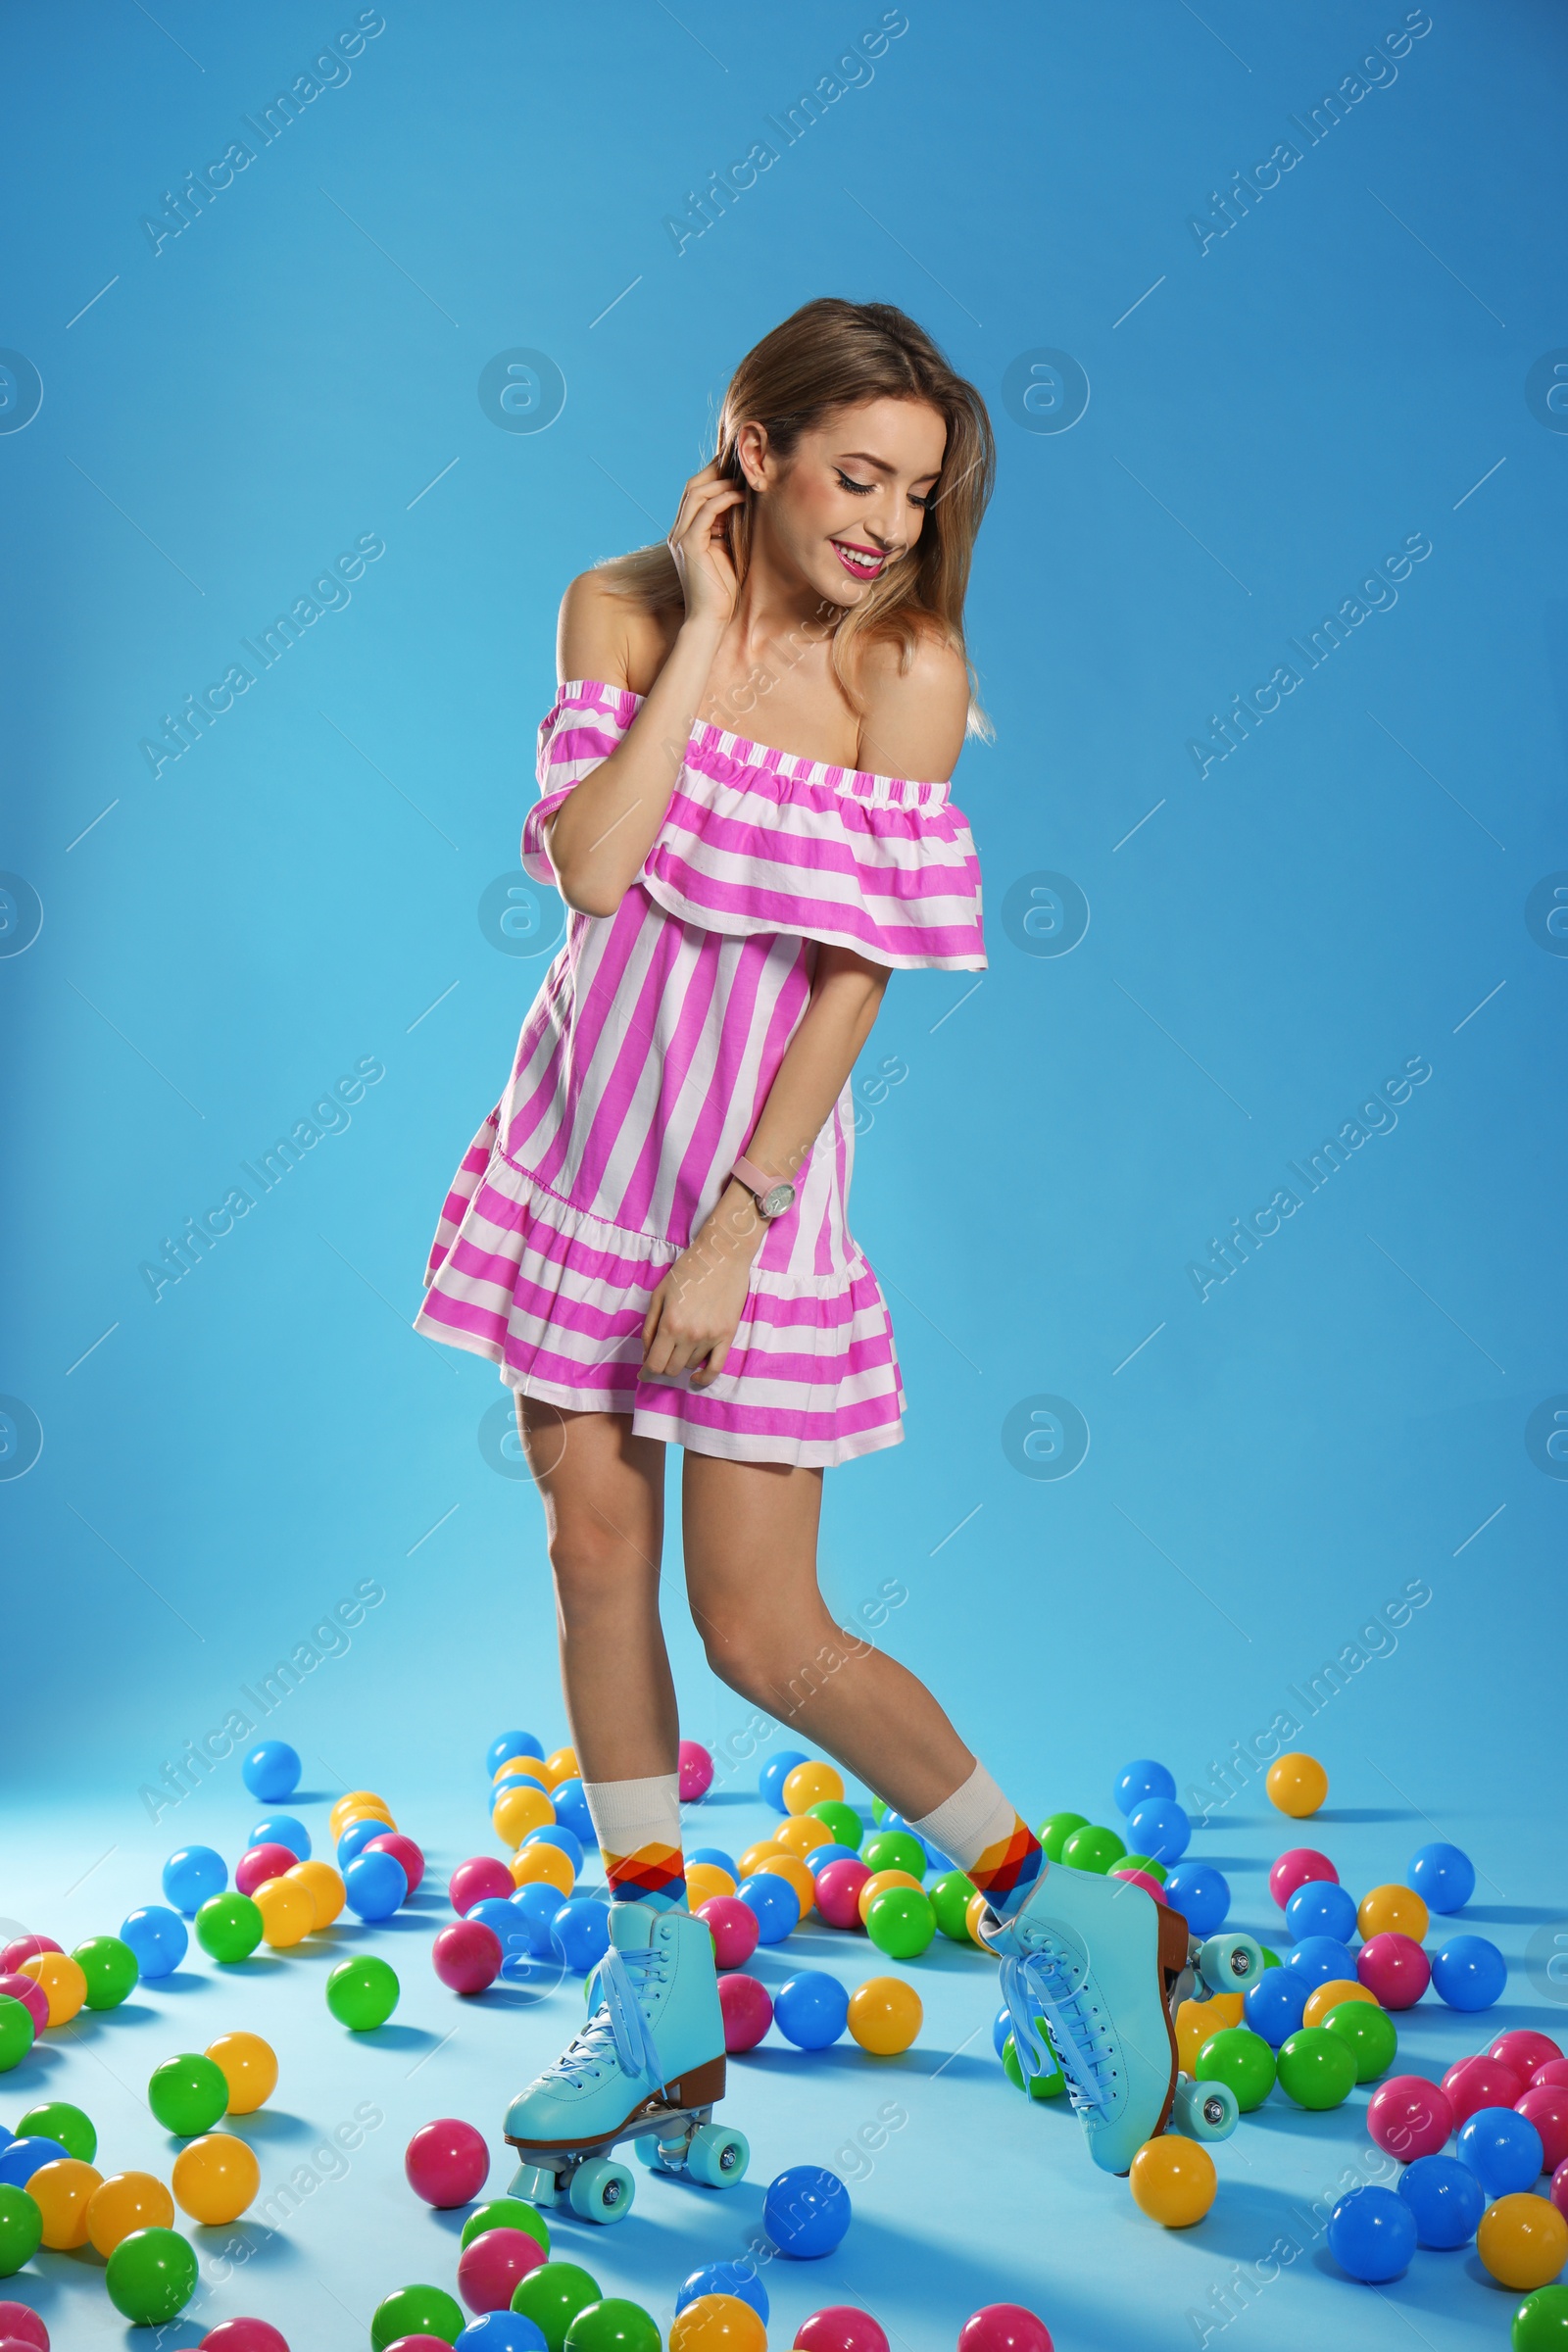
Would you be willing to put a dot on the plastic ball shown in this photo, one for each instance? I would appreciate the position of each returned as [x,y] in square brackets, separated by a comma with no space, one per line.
[402,1851]
[1321,1907]
[21,2228]
[806,2212]
[111,1970]
[324,1886]
[773,1774]
[1200,1892]
[249,2067]
[838,1893]
[841,1821]
[157,1937]
[1367,2032]
[228,1927]
[1142,1780]
[1242,2058]
[1523,2240]
[1299,1866]
[1502,2148]
[361,1993]
[1524,2050]
[215,2179]
[536,1906]
[793,1871]
[901,1921]
[812,2009]
[1443,1875]
[376,1886]
[507,1745]
[950,1896]
[519,1808]
[1469,1973]
[572,1809]
[1173,2181]
[1048,2082]
[1316,2069]
[1096,1848]
[1159,1828]
[717,1857]
[61,2191]
[1540,2323]
[812,1783]
[261,1863]
[1274,2005]
[1145,1865]
[878,1883]
[1409,2116]
[20,2326]
[26,2156]
[506,2212]
[1153,1887]
[1445,2199]
[894,1849]
[1197,2021]
[60,1981]
[775,1902]
[733,2279]
[492,2265]
[447,2163]
[187,2094]
[560,1765]
[151,2275]
[734,1928]
[288,1912]
[1391,1911]
[415,2311]
[1475,2083]
[885,2015]
[614,2324]
[467,1956]
[748,2011]
[705,1884]
[718,2324]
[580,1928]
[552,2297]
[67,2126]
[1002,2328]
[556,1834]
[761,1850]
[243,2336]
[191,1875]
[355,1808]
[272,1771]
[1321,1961]
[1372,2234]
[476,1878]
[1545,2106]
[1055,1830]
[125,2202]
[1330,1994]
[33,1999]
[1395,1970]
[282,1829]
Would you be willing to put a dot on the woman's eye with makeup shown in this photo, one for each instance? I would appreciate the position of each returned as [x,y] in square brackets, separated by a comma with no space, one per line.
[863,489]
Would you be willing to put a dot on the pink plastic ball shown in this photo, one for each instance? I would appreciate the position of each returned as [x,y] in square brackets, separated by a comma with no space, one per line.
[402,1850]
[447,2163]
[420,2343]
[473,1879]
[734,1927]
[1473,2083]
[1004,2328]
[491,2265]
[263,1862]
[1409,2116]
[1524,2050]
[748,2011]
[1297,1867]
[243,2336]
[840,2327]
[838,1891]
[1558,2192]
[1555,2072]
[21,2322]
[1141,1877]
[467,1956]
[696,1771]
[1546,2107]
[33,1999]
[24,1947]
[1395,1970]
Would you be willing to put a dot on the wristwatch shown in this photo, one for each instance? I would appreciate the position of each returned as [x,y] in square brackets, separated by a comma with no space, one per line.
[772,1194]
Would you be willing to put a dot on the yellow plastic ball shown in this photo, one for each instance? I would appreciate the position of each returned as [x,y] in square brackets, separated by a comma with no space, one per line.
[1523,2241]
[519,1768]
[885,2016]
[705,1881]
[755,1856]
[125,2202]
[790,1868]
[521,1809]
[1328,1996]
[1391,1911]
[249,2067]
[803,1834]
[718,2324]
[1297,1784]
[811,1785]
[543,1866]
[876,1884]
[288,1909]
[337,1819]
[1196,2021]
[375,1813]
[62,2191]
[60,1982]
[325,1888]
[561,1766]
[974,1912]
[215,2178]
[1173,2181]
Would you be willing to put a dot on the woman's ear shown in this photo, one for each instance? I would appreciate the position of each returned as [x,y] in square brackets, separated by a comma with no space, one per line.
[752,454]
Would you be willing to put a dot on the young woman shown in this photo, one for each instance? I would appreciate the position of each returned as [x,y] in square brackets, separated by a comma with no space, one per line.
[649,1234]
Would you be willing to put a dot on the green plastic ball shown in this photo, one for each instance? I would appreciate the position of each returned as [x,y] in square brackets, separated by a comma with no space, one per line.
[151,2276]
[1540,2323]
[362,1993]
[1147,1864]
[843,1819]
[613,2325]
[1091,1848]
[58,2119]
[1055,1830]
[1270,1959]
[21,2227]
[109,1968]
[1368,2033]
[951,1896]
[1316,2068]
[1242,2058]
[17,2031]
[505,2213]
[415,2311]
[878,1807]
[895,1849]
[228,1926]
[552,2297]
[1050,2083]
[188,2093]
[901,1921]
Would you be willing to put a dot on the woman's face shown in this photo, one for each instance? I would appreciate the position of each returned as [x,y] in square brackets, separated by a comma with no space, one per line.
[851,496]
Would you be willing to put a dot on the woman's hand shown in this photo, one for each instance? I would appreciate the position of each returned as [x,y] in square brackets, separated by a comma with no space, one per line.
[693,1315]
[700,545]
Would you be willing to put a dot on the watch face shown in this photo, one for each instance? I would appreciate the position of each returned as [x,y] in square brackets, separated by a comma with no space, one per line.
[778,1199]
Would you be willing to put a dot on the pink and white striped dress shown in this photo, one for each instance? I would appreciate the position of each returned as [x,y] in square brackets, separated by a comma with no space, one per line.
[643,1065]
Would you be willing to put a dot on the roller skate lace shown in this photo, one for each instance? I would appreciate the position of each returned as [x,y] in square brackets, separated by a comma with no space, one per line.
[1040,1984]
[619,2031]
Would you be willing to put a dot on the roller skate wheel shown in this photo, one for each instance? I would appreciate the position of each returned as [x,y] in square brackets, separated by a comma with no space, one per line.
[600,2190]
[1230,1962]
[535,2185]
[1204,2110]
[717,2158]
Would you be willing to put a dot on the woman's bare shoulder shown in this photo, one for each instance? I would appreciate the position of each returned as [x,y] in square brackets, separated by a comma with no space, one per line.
[603,633]
[915,707]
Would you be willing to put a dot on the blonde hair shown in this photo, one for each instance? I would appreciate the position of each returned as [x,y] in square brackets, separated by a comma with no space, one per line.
[830,355]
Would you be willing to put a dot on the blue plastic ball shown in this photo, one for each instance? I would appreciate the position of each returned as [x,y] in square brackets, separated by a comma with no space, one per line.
[355,1837]
[580,1928]
[506,1924]
[1160,1829]
[192,1875]
[1200,1894]
[806,2212]
[717,1855]
[1322,1907]
[1442,1876]
[1447,2199]
[157,1938]
[1372,2234]
[1469,1973]
[556,1834]
[1502,2149]
[738,2278]
[821,1855]
[1319,1959]
[772,1776]
[376,1886]
[511,1744]
[501,2331]
[775,1902]
[537,1906]
[281,1828]
[1138,1781]
[25,2157]
[572,1809]
[812,2010]
[1273,2006]
[271,1772]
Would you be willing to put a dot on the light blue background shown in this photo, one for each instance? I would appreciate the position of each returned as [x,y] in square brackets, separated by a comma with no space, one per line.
[1268,420]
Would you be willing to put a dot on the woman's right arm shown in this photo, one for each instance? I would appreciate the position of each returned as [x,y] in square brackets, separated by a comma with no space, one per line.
[603,831]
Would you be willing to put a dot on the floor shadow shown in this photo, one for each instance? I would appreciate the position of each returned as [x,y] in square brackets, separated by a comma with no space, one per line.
[276,2123]
[1339,1813]
[1526,1915]
[398,2037]
[179,1980]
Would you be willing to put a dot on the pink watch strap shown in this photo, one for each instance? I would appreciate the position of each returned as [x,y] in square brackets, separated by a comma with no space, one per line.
[755,1178]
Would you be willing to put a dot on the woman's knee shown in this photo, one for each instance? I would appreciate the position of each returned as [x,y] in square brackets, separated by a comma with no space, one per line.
[776,1667]
[596,1570]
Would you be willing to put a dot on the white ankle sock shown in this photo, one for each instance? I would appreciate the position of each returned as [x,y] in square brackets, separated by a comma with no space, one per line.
[970,1822]
[637,1823]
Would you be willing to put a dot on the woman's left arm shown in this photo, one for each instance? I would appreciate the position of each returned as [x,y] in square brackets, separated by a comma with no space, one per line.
[693,1315]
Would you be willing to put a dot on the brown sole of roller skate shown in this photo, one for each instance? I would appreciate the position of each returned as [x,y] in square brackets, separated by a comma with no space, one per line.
[1175,1943]
[699,2086]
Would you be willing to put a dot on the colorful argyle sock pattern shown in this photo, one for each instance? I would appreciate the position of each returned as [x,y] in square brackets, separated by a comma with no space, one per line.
[653,1875]
[994,1845]
[1005,1870]
[637,1823]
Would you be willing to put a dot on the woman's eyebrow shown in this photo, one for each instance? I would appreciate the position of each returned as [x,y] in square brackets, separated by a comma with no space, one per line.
[882,465]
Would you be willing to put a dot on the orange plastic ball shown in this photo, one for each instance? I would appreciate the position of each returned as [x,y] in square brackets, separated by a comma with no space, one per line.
[376,1813]
[215,2178]
[811,1785]
[324,1887]
[1173,2181]
[543,1866]
[62,2191]
[1391,1911]
[874,1885]
[755,1856]
[249,2068]
[561,1765]
[1523,2240]
[1328,1996]
[519,1768]
[1297,1784]
[1196,2021]
[61,1981]
[973,1913]
[125,2202]
[718,2324]
[885,2015]
[803,1834]
[521,1809]
[705,1881]
[288,1909]
[337,1820]
[793,1870]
